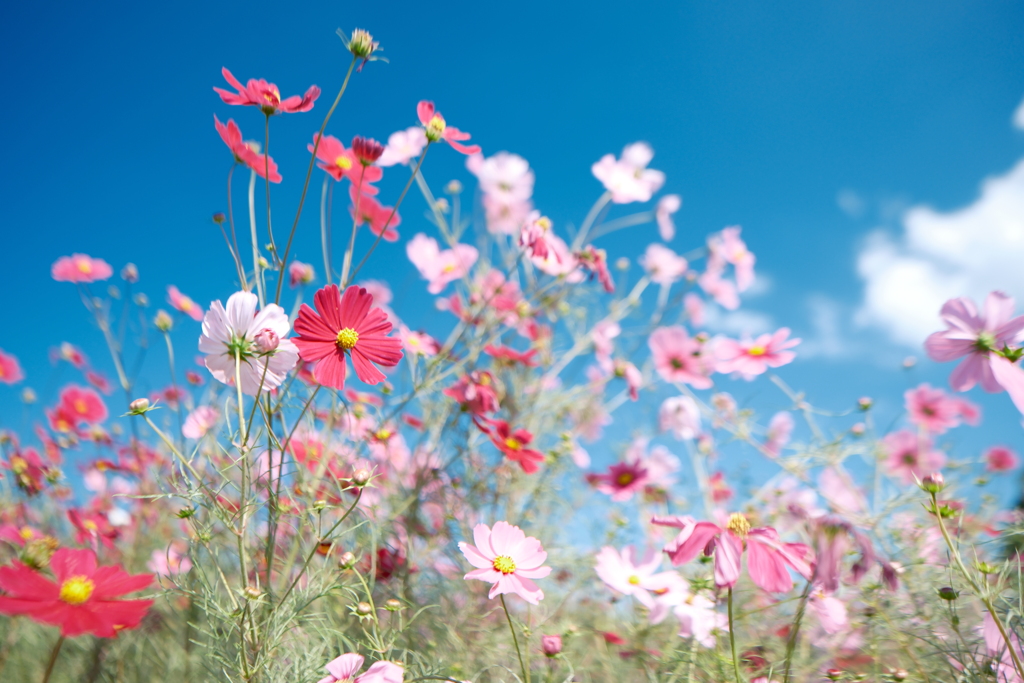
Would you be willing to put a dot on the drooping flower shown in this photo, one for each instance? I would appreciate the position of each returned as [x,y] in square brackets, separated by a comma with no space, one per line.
[909,456]
[184,303]
[366,150]
[440,267]
[663,265]
[266,96]
[345,163]
[381,220]
[82,598]
[780,427]
[246,152]
[300,273]
[628,179]
[507,558]
[475,392]
[10,369]
[680,358]
[403,146]
[750,358]
[768,558]
[935,411]
[667,206]
[437,129]
[80,268]
[681,416]
[513,443]
[345,326]
[229,340]
[551,646]
[596,261]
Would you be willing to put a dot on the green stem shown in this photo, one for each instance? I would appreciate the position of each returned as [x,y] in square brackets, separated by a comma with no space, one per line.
[53,659]
[515,641]
[266,176]
[794,632]
[732,643]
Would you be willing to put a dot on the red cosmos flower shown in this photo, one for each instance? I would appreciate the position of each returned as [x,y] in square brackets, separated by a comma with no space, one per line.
[438,129]
[381,219]
[244,154]
[475,392]
[80,601]
[266,96]
[93,526]
[29,470]
[513,445]
[509,354]
[82,404]
[344,163]
[596,261]
[367,150]
[343,326]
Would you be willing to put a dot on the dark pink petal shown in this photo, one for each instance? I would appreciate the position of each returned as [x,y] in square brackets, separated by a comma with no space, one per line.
[20,581]
[355,304]
[313,327]
[68,562]
[314,349]
[112,582]
[330,371]
[117,614]
[692,539]
[365,370]
[328,304]
[425,111]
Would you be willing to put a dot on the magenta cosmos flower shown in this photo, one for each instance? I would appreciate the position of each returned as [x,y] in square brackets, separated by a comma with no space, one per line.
[750,358]
[909,456]
[343,326]
[768,558]
[437,129]
[679,357]
[345,163]
[80,268]
[344,669]
[1000,459]
[10,369]
[266,96]
[935,411]
[508,558]
[246,153]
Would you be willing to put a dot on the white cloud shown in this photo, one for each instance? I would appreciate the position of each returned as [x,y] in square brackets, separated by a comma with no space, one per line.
[851,203]
[941,255]
[1018,116]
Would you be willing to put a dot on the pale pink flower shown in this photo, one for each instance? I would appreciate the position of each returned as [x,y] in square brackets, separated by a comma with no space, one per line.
[10,369]
[750,358]
[728,247]
[602,335]
[183,303]
[507,558]
[830,610]
[680,358]
[505,217]
[440,267]
[693,305]
[628,179]
[559,260]
[199,422]
[780,427]
[231,330]
[629,574]
[721,290]
[534,233]
[699,620]
[681,416]
[905,459]
[631,373]
[169,561]
[300,273]
[1000,459]
[505,177]
[403,146]
[935,411]
[996,646]
[383,672]
[80,268]
[418,343]
[663,265]
[838,488]
[667,206]
[343,669]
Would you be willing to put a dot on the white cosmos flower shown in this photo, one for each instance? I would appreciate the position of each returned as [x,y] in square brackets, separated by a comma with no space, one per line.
[231,329]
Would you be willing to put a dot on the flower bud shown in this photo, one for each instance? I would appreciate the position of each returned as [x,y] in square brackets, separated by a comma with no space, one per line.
[909,362]
[347,560]
[834,674]
[933,483]
[37,552]
[858,429]
[865,403]
[141,300]
[139,406]
[367,150]
[948,593]
[28,395]
[551,645]
[622,263]
[267,340]
[219,218]
[185,513]
[252,593]
[361,477]
[453,187]
[900,675]
[393,605]
[319,505]
[163,321]
[361,44]
[130,273]
[435,128]
[986,568]
[364,609]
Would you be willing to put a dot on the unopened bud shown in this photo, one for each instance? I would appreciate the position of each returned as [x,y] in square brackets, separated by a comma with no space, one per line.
[37,552]
[267,340]
[986,568]
[900,675]
[185,513]
[933,483]
[864,402]
[361,477]
[219,218]
[948,593]
[858,429]
[139,406]
[551,645]
[141,300]
[252,593]
[453,187]
[163,321]
[909,362]
[28,395]
[361,44]
[364,609]
[130,273]
[393,605]
[319,505]
[347,560]
[834,674]
[622,263]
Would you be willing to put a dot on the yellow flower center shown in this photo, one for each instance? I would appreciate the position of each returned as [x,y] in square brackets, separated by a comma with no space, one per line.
[448,268]
[84,267]
[343,162]
[435,128]
[504,564]
[90,525]
[81,407]
[18,464]
[757,351]
[26,533]
[383,434]
[513,443]
[634,580]
[544,223]
[738,524]
[76,590]
[348,338]
[625,478]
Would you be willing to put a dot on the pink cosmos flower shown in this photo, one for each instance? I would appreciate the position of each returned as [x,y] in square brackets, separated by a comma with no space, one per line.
[631,373]
[440,267]
[505,177]
[344,669]
[199,422]
[403,146]
[629,574]
[80,268]
[667,206]
[82,404]
[935,411]
[628,179]
[751,358]
[558,259]
[436,129]
[694,308]
[602,335]
[728,247]
[534,233]
[342,326]
[663,265]
[768,558]
[266,96]
[1000,459]
[183,303]
[779,430]
[699,620]
[382,220]
[229,339]
[300,273]
[513,443]
[905,459]
[343,163]
[680,358]
[718,488]
[622,480]
[596,261]
[246,152]
[721,290]
[507,558]
[418,343]
[977,336]
[475,392]
[681,416]
[10,369]
[169,561]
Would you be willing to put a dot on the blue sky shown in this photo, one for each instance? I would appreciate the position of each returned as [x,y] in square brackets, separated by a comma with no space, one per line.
[816,126]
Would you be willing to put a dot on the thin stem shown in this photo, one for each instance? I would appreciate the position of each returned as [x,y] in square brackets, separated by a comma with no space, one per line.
[309,172]
[732,643]
[794,632]
[394,210]
[266,176]
[355,226]
[256,270]
[325,237]
[53,659]
[515,641]
[237,253]
[589,220]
